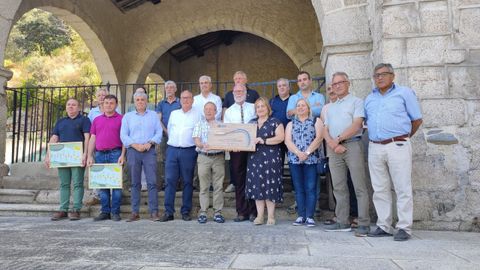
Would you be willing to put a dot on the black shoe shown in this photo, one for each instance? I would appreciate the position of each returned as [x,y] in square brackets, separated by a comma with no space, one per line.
[166,217]
[240,218]
[102,216]
[116,217]
[379,233]
[401,235]
[186,217]
[252,217]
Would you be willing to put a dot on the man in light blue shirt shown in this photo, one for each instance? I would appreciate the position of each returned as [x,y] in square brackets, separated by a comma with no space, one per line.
[140,131]
[392,115]
[343,131]
[316,100]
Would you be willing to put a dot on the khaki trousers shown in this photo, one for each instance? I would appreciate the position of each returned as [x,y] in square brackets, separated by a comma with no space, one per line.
[211,171]
[352,160]
[392,164]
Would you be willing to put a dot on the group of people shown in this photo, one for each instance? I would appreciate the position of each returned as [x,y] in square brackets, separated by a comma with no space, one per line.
[288,125]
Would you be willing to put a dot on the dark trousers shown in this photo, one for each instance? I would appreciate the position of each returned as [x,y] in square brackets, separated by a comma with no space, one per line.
[180,163]
[238,165]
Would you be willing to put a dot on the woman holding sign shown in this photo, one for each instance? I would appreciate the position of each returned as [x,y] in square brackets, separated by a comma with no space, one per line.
[264,169]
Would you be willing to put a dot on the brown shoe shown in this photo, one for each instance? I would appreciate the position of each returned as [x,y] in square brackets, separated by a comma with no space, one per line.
[74,215]
[59,215]
[92,201]
[133,217]
[155,217]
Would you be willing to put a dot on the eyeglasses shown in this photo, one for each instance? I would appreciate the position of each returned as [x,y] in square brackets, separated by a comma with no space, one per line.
[381,75]
[338,83]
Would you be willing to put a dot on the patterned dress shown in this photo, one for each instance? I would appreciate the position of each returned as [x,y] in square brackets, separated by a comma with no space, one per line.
[264,168]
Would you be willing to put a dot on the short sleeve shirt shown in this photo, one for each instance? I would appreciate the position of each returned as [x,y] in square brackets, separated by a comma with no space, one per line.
[72,129]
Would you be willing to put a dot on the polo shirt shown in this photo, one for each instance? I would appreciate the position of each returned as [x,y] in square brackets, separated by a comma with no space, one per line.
[316,101]
[72,129]
[341,113]
[107,132]
[391,114]
[166,108]
[279,109]
[229,100]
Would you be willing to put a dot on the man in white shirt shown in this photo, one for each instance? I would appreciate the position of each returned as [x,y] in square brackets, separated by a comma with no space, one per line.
[240,112]
[181,156]
[205,96]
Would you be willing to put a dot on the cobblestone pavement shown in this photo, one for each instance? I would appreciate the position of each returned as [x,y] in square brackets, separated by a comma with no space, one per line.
[38,243]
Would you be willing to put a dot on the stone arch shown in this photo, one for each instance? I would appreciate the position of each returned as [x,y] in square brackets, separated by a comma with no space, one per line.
[155,77]
[84,29]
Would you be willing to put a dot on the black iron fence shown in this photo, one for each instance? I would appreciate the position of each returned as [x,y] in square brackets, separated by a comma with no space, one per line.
[33,111]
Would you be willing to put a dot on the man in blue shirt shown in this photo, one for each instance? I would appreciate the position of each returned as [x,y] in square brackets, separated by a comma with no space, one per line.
[73,128]
[279,107]
[393,116]
[164,109]
[139,133]
[316,100]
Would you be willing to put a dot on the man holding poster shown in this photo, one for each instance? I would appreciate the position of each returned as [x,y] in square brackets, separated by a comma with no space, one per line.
[73,128]
[105,146]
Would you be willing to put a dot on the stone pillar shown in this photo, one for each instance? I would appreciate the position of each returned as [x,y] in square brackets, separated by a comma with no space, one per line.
[5,75]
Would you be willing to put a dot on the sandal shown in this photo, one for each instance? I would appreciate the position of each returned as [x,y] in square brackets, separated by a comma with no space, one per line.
[258,221]
[271,221]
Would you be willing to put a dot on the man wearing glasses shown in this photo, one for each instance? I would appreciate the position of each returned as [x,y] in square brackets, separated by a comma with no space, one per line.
[343,133]
[393,116]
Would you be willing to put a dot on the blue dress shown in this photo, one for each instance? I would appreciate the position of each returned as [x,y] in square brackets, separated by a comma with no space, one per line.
[264,168]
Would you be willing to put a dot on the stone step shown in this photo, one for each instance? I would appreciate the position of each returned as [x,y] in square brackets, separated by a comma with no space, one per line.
[29,182]
[53,197]
[46,210]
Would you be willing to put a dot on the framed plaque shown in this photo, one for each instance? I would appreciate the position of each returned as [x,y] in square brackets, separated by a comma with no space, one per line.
[232,137]
[105,175]
[68,154]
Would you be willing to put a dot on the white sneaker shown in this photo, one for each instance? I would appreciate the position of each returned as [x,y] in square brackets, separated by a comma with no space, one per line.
[310,222]
[230,188]
[299,221]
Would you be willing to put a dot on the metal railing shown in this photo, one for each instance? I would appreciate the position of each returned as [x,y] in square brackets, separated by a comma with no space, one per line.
[33,111]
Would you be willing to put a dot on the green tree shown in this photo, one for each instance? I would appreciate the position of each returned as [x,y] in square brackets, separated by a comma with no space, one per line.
[40,32]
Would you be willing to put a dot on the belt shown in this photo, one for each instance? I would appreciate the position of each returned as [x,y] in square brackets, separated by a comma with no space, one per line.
[188,147]
[210,154]
[353,139]
[401,138]
[109,150]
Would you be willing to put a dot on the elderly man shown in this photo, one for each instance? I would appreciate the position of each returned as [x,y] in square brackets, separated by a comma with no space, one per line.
[239,77]
[343,133]
[97,111]
[72,128]
[393,116]
[240,112]
[105,146]
[181,156]
[139,133]
[164,108]
[211,166]
[316,100]
[205,96]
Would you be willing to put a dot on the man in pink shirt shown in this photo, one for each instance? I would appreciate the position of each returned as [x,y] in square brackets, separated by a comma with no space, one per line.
[105,146]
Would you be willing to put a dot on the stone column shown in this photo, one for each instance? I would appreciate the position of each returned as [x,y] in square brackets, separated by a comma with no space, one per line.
[5,75]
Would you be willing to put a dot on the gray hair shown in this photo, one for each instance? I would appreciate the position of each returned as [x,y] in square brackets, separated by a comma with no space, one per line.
[211,103]
[167,83]
[340,73]
[101,89]
[240,73]
[284,80]
[382,65]
[140,94]
[205,77]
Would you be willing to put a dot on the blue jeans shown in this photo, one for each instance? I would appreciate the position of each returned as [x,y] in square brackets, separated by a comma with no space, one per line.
[104,194]
[148,161]
[304,178]
[180,163]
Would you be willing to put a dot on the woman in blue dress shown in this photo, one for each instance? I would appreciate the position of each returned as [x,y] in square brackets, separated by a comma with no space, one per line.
[264,168]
